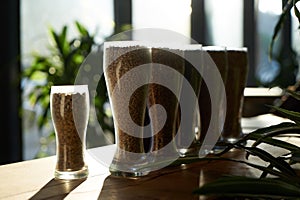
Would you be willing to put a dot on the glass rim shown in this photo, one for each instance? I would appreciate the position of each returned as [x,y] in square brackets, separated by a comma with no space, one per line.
[69,88]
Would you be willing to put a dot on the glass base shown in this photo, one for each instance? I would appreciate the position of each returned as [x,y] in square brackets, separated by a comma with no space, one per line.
[117,173]
[190,152]
[128,164]
[71,175]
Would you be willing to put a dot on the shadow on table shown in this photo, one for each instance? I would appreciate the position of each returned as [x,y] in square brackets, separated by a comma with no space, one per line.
[175,182]
[170,183]
[57,189]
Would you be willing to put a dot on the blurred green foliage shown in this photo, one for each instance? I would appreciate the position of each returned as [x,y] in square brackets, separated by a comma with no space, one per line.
[60,67]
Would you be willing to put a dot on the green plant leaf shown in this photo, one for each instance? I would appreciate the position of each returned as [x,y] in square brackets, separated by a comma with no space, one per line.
[38,76]
[265,135]
[274,142]
[267,157]
[296,11]
[43,119]
[286,10]
[294,94]
[271,129]
[250,187]
[292,115]
[61,41]
[295,156]
[82,30]
[65,48]
[265,174]
[32,98]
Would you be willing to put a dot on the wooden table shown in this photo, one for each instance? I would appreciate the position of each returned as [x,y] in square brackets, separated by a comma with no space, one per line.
[34,180]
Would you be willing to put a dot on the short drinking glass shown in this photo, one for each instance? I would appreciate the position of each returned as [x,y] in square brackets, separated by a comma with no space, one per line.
[69,106]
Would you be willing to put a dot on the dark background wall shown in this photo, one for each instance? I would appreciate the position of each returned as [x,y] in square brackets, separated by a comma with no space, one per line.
[10,124]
